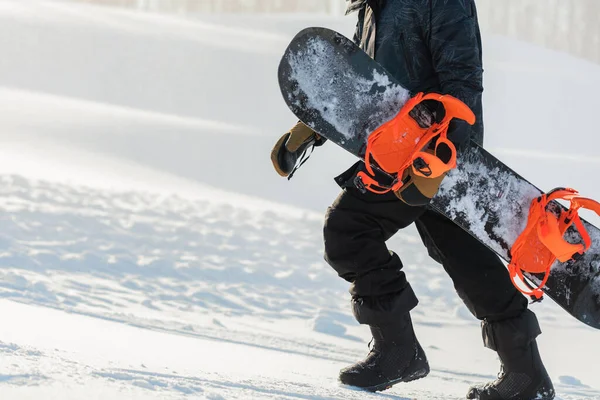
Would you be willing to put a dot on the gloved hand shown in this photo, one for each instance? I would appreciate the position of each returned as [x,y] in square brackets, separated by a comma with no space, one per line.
[291,146]
[418,190]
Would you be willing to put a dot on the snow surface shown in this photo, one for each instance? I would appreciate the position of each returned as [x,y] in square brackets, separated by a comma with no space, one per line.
[148,250]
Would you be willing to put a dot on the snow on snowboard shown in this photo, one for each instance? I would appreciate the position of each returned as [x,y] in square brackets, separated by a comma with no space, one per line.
[335,88]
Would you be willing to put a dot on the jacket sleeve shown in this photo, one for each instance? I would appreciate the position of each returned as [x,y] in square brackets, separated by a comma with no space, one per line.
[455,46]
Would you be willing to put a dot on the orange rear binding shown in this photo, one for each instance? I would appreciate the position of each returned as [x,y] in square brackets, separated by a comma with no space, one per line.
[403,143]
[542,241]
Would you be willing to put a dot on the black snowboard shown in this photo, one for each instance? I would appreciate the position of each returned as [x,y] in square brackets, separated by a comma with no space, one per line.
[334,87]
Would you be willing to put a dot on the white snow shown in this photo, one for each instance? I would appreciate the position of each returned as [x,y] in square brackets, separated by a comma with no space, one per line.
[148,250]
[317,67]
[505,194]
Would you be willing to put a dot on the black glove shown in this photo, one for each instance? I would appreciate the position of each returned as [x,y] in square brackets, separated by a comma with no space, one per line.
[291,146]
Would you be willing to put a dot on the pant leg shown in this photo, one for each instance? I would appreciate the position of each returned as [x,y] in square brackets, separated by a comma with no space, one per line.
[480,277]
[357,226]
[483,283]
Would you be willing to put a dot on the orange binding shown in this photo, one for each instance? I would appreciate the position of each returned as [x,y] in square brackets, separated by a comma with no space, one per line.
[542,242]
[402,143]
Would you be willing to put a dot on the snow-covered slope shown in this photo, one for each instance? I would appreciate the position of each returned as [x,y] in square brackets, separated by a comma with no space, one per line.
[129,294]
[148,250]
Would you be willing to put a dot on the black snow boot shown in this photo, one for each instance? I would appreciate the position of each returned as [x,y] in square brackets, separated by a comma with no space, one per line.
[396,355]
[523,375]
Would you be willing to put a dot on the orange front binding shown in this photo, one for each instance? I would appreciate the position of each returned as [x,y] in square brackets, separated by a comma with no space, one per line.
[403,143]
[542,241]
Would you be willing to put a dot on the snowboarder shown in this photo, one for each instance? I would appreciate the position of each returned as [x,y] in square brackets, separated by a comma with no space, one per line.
[429,46]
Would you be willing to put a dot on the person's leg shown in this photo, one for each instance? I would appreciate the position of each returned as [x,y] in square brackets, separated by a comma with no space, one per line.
[357,226]
[508,327]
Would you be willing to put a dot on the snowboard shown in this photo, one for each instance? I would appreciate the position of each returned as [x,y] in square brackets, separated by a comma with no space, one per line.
[335,88]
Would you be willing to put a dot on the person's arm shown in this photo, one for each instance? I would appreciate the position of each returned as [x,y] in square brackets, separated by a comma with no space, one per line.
[455,45]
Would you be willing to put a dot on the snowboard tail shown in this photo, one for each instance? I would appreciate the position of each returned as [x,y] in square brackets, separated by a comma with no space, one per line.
[336,89]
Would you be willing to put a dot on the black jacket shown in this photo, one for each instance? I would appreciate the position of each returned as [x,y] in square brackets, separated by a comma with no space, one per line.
[428,46]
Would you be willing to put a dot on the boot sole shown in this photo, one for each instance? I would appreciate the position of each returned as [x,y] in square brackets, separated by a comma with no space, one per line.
[422,373]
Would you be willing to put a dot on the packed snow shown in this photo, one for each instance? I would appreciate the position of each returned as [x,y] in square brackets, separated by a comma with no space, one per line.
[149,251]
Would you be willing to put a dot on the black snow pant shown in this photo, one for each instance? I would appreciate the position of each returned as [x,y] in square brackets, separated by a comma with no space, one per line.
[357,225]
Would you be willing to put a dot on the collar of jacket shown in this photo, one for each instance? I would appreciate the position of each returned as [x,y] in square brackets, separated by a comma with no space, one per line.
[355,5]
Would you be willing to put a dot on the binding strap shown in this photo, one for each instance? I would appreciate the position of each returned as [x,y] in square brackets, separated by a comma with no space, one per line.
[542,241]
[403,142]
